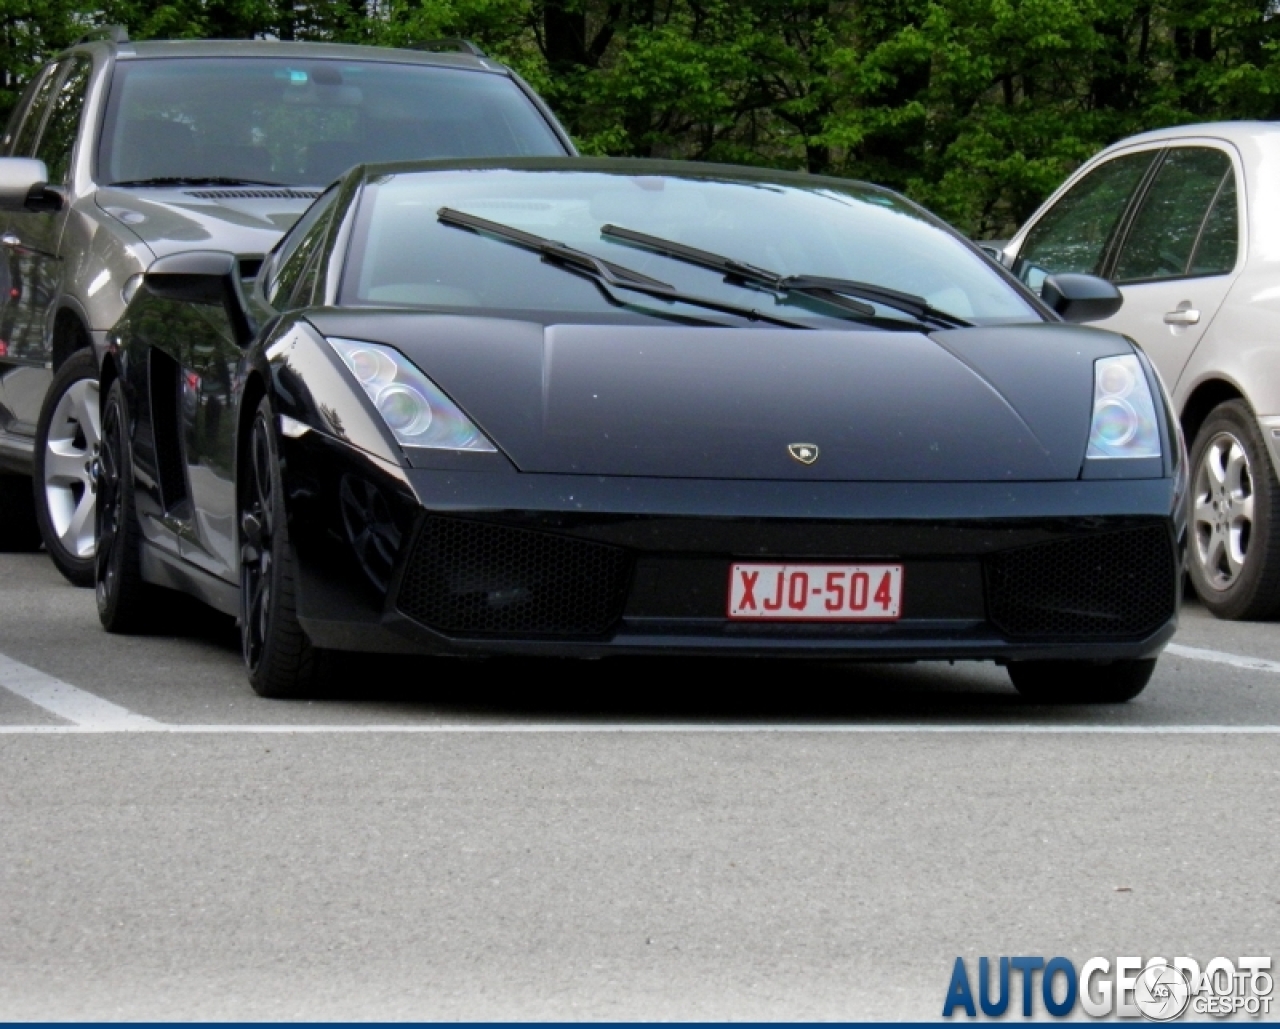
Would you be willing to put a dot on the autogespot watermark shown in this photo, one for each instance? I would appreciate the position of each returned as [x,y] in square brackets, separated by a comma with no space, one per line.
[1127,987]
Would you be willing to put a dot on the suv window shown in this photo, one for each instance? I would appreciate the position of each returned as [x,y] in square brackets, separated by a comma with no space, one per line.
[298,247]
[1162,240]
[1074,233]
[296,121]
[58,140]
[25,143]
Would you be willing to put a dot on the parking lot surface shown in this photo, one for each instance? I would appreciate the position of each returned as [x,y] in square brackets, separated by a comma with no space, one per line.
[611,839]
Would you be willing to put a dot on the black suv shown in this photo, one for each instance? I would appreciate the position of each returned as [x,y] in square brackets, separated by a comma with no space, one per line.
[121,153]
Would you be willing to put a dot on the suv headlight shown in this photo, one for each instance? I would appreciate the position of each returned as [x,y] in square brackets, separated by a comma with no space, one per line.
[413,407]
[1124,414]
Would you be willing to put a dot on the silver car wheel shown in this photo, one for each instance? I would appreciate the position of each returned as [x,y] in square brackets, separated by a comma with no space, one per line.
[75,432]
[1222,510]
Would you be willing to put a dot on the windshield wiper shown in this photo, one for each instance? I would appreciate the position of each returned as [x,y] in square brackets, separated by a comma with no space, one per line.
[196,180]
[836,292]
[607,275]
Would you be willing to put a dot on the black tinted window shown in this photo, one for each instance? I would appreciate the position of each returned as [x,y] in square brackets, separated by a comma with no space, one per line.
[1219,239]
[306,121]
[1164,233]
[58,140]
[1073,234]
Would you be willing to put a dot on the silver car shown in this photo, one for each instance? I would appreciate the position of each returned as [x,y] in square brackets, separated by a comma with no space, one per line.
[1181,220]
[121,153]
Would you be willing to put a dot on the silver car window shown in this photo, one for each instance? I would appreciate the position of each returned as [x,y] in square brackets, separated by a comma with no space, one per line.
[1073,235]
[58,140]
[1220,237]
[1163,237]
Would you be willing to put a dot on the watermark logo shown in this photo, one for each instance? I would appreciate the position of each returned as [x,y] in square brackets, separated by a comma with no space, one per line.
[1162,992]
[1157,989]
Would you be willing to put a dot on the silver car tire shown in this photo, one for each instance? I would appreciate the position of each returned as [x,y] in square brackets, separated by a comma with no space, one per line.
[1233,533]
[68,437]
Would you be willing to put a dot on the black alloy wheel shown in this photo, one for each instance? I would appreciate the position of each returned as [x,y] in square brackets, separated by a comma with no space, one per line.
[1081,682]
[19,531]
[280,659]
[126,603]
[67,442]
[1233,544]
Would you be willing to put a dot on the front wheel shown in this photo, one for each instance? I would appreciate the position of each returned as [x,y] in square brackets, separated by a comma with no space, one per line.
[279,657]
[1081,682]
[1234,548]
[68,436]
[126,603]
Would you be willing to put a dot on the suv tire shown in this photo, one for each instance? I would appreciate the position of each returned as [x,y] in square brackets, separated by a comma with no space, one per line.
[67,440]
[19,533]
[1233,551]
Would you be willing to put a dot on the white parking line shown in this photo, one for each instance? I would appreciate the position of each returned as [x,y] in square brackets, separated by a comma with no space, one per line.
[1221,657]
[90,714]
[81,708]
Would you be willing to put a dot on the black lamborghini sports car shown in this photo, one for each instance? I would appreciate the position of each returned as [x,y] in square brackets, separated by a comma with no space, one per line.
[581,407]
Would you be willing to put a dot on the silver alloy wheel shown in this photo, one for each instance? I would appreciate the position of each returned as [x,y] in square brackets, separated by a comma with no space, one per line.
[75,432]
[1222,510]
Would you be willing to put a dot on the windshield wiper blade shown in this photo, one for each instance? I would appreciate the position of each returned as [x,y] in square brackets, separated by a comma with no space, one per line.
[196,180]
[607,275]
[837,292]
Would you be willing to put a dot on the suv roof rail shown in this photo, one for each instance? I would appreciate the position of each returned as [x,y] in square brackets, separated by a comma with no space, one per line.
[462,46]
[112,33]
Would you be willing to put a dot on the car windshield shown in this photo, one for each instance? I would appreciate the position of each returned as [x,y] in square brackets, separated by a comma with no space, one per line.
[405,255]
[296,122]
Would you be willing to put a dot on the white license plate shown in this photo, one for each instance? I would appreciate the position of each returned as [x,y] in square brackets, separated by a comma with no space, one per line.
[816,593]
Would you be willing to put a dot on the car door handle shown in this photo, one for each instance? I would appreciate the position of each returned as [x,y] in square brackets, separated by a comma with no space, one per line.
[1184,314]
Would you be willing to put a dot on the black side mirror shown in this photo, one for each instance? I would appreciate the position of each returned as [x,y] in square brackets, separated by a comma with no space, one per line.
[203,277]
[1081,298]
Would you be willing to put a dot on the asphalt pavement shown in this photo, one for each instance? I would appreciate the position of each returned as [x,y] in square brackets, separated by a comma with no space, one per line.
[621,839]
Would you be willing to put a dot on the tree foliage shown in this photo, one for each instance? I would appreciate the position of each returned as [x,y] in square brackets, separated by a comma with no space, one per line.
[977,108]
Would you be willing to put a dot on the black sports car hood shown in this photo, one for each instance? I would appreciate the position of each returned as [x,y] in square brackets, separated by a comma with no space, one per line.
[981,404]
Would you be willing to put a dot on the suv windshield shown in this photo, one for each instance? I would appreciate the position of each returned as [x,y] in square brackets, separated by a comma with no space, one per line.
[406,255]
[296,122]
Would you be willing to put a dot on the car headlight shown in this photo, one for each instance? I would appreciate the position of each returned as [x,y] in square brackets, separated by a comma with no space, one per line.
[1124,414]
[413,407]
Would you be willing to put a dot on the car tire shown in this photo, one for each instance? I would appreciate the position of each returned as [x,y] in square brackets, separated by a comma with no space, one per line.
[67,441]
[19,531]
[126,602]
[280,659]
[1233,545]
[1081,682]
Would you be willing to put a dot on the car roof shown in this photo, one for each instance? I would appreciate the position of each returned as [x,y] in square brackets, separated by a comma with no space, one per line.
[179,48]
[1238,132]
[632,166]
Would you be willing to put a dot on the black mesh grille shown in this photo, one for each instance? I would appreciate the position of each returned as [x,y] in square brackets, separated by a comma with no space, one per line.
[477,579]
[1109,584]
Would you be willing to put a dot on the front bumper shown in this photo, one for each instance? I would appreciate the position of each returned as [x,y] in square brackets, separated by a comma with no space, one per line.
[441,562]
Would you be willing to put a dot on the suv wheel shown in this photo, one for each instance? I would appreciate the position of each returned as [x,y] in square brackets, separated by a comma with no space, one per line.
[1081,682]
[1234,551]
[67,440]
[19,532]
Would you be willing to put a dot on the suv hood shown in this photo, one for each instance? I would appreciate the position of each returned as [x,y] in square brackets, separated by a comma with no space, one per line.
[238,219]
[980,404]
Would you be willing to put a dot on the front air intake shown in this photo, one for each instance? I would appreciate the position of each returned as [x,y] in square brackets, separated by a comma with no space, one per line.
[469,578]
[1120,584]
